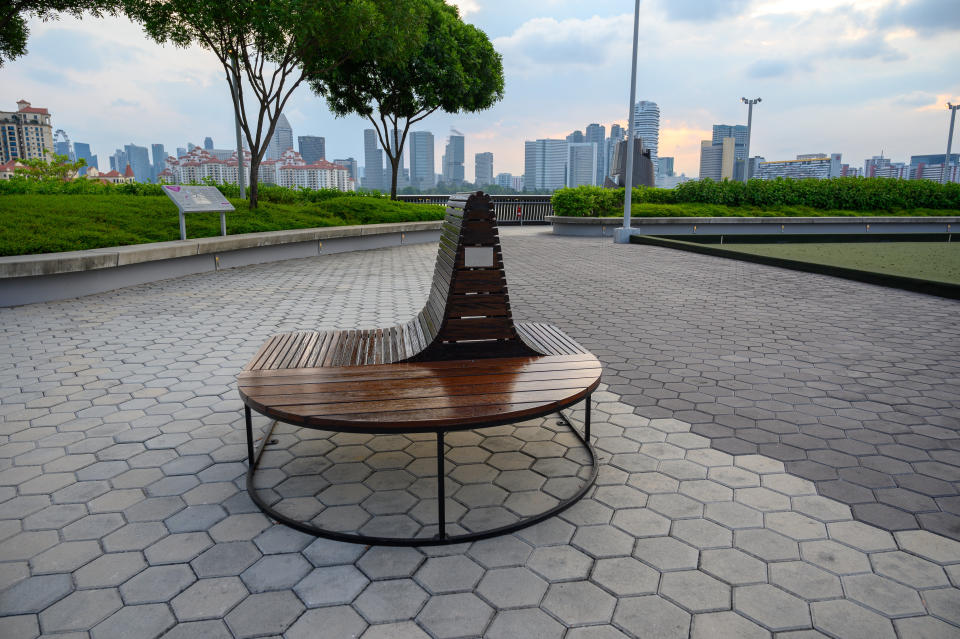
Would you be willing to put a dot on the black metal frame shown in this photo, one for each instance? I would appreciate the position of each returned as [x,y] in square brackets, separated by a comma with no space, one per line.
[441,538]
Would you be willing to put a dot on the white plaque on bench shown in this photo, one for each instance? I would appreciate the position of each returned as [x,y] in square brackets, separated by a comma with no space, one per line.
[478,256]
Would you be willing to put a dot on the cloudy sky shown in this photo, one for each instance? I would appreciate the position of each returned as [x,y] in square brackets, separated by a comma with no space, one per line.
[859,77]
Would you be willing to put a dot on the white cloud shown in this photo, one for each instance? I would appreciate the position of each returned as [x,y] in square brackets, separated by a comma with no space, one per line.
[550,45]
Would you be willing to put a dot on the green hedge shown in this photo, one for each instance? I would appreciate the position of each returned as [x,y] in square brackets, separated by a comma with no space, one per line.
[844,194]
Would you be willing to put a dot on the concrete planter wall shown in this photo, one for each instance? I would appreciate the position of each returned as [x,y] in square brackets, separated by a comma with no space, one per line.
[604,226]
[25,279]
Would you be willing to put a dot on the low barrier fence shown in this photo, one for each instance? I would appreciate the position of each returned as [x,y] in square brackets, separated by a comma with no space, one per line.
[510,209]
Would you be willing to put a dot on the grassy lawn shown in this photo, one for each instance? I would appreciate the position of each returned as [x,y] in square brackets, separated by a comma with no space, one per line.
[49,223]
[935,261]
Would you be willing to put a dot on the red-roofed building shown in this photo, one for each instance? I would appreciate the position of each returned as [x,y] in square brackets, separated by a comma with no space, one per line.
[25,133]
[111,177]
[292,171]
[8,169]
[200,164]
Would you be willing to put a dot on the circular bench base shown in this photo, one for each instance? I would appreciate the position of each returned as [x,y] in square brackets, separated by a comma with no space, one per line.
[441,538]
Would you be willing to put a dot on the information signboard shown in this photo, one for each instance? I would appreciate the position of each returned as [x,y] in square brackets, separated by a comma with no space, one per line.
[198,199]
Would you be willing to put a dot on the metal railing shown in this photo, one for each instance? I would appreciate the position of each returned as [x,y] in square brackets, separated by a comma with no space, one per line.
[510,209]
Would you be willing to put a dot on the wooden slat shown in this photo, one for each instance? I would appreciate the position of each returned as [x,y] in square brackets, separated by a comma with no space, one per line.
[470,305]
[389,390]
[478,328]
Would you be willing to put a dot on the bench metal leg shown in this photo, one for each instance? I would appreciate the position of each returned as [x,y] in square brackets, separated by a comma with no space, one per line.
[441,498]
[586,420]
[249,420]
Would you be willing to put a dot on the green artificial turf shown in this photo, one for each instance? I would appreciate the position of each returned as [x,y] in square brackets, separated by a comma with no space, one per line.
[36,223]
[934,261]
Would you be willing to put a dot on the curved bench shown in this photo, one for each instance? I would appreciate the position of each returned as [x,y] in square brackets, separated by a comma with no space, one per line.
[460,363]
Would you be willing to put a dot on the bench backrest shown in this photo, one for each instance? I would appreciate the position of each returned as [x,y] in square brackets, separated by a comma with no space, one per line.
[467,314]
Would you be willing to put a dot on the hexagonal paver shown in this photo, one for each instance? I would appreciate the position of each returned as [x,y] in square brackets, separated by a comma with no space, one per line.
[701,533]
[157,584]
[834,557]
[652,616]
[386,562]
[559,563]
[725,625]
[766,544]
[400,630]
[34,594]
[883,595]
[929,546]
[841,618]
[625,576]
[111,569]
[771,607]
[861,536]
[796,526]
[80,610]
[695,591]
[805,580]
[150,620]
[391,600]
[276,572]
[331,585]
[579,603]
[449,574]
[456,615]
[530,623]
[733,566]
[515,587]
[908,569]
[227,559]
[263,614]
[209,598]
[334,622]
[666,553]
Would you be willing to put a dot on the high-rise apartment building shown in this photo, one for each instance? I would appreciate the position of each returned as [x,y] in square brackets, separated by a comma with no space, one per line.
[422,166]
[545,164]
[811,165]
[281,140]
[453,157]
[595,134]
[351,165]
[373,175]
[312,148]
[576,137]
[25,133]
[646,125]
[505,180]
[119,161]
[617,133]
[717,159]
[82,151]
[208,143]
[483,168]
[665,166]
[581,163]
[159,160]
[181,151]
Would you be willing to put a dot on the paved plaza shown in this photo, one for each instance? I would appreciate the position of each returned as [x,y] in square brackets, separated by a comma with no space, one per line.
[780,456]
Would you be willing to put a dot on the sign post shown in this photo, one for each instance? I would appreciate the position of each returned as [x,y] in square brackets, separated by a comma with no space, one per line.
[198,199]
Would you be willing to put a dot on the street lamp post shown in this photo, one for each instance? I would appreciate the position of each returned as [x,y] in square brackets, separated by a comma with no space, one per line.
[946,159]
[746,162]
[622,235]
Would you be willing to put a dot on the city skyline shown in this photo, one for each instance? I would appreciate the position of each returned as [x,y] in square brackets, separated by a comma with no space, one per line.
[858,80]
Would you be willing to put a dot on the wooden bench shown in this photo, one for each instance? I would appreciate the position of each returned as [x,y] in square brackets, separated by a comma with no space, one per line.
[461,363]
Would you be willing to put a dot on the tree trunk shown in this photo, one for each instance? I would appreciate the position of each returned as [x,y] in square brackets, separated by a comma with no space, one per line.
[394,165]
[254,170]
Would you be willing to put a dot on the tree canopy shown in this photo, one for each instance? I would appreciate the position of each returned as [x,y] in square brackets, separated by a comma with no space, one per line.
[14,14]
[59,168]
[454,67]
[262,46]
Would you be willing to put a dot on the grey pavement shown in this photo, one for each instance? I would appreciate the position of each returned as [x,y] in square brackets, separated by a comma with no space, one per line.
[779,456]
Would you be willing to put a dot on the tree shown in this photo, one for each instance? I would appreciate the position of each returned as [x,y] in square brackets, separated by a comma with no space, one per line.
[14,14]
[261,45]
[58,168]
[455,69]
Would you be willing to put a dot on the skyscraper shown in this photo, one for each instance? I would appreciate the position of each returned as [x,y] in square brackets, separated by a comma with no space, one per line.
[181,151]
[453,158]
[208,143]
[545,164]
[82,150]
[581,163]
[119,161]
[159,159]
[723,157]
[372,162]
[739,134]
[483,168]
[617,133]
[139,161]
[403,177]
[666,165]
[281,140]
[595,134]
[646,125]
[313,148]
[576,137]
[422,165]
